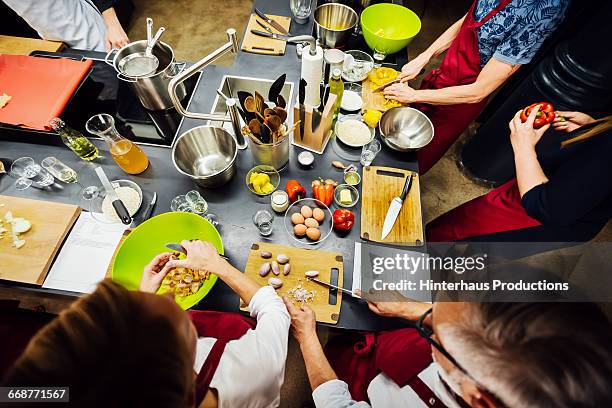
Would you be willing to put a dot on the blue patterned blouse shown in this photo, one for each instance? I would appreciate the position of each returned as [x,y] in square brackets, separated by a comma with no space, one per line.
[516,33]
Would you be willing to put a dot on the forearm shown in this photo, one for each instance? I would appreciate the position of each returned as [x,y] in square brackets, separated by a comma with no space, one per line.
[529,173]
[110,17]
[452,95]
[238,282]
[443,42]
[318,368]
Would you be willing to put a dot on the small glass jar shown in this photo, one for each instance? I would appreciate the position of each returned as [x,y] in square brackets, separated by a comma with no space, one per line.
[279,201]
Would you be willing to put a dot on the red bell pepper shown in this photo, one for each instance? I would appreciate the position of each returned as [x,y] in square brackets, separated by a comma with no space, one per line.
[295,190]
[545,115]
[343,220]
[323,190]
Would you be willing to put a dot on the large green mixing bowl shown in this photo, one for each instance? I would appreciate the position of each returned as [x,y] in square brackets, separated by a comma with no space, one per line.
[150,238]
[389,28]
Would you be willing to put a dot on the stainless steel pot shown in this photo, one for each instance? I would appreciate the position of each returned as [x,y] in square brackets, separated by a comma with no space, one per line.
[206,154]
[334,23]
[152,89]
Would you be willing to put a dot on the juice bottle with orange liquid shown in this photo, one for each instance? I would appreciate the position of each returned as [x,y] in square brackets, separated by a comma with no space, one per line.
[126,153]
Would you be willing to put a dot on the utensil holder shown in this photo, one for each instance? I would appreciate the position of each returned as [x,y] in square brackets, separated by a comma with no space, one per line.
[314,140]
[271,154]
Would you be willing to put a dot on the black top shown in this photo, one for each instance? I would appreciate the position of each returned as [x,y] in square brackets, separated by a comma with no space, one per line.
[576,202]
[103,5]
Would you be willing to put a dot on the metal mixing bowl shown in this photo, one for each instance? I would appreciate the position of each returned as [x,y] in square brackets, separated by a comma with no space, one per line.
[405,129]
[334,23]
[206,154]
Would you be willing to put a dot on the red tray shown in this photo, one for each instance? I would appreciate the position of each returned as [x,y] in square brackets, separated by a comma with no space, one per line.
[40,88]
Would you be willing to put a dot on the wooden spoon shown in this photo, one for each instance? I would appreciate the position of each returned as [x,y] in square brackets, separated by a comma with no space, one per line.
[250,105]
[269,112]
[255,126]
[280,101]
[259,99]
[281,113]
[274,122]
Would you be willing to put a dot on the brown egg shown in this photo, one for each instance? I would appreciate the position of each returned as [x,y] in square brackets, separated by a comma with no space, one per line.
[297,219]
[311,223]
[300,230]
[306,211]
[313,234]
[318,214]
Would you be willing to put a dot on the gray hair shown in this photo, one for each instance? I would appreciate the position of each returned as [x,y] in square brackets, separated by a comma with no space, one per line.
[536,354]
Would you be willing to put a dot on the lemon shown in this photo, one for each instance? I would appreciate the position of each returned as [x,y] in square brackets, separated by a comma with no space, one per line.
[267,188]
[382,75]
[371,117]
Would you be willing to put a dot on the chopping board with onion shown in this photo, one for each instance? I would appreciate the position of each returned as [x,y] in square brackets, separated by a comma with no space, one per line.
[50,224]
[328,264]
[380,185]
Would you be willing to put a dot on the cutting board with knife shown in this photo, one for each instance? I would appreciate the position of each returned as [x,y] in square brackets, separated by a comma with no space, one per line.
[381,193]
[50,221]
[262,45]
[329,265]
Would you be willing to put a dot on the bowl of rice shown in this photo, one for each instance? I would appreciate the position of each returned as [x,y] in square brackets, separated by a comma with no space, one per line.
[101,207]
[353,132]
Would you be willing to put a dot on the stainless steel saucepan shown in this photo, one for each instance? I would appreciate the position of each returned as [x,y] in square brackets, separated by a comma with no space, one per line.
[334,24]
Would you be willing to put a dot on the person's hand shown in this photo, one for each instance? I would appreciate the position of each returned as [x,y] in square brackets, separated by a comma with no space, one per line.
[303,321]
[413,68]
[201,256]
[155,272]
[115,35]
[395,305]
[523,134]
[569,121]
[401,92]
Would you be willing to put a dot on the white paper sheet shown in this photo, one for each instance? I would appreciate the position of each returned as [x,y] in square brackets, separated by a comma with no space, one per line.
[84,258]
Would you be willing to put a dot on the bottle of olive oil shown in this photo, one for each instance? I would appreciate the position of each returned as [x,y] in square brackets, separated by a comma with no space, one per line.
[75,140]
[336,87]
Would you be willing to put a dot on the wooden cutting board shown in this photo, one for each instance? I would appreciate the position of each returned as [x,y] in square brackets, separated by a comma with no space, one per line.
[379,186]
[51,222]
[302,260]
[371,99]
[25,46]
[262,45]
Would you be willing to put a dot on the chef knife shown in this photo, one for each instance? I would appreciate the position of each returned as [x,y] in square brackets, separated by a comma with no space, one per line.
[118,205]
[396,81]
[302,98]
[273,23]
[395,207]
[265,27]
[330,286]
[179,248]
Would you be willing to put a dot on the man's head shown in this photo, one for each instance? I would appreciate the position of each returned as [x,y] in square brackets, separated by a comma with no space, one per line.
[525,354]
[114,348]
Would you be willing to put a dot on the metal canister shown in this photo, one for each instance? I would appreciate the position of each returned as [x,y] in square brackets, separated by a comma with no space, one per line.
[152,89]
[271,154]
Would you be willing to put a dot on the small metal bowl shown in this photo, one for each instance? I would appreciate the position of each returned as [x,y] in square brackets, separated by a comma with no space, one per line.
[270,171]
[206,154]
[405,129]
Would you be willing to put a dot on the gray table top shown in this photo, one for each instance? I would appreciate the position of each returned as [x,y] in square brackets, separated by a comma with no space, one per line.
[233,202]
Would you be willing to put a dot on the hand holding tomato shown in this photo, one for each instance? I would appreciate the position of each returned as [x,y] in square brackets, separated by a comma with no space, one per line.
[545,115]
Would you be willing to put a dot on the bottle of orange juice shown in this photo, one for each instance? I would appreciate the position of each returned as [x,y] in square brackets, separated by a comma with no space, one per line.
[126,153]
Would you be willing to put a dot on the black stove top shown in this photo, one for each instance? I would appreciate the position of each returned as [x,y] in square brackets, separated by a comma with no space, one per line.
[103,92]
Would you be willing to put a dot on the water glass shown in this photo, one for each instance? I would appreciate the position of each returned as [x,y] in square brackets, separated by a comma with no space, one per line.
[301,10]
[180,204]
[59,170]
[196,202]
[369,152]
[263,220]
[30,173]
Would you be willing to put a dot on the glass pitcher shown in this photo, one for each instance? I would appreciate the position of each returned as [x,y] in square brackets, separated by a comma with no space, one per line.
[126,153]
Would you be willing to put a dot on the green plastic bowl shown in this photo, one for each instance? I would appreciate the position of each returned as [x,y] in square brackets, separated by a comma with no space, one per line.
[389,28]
[149,239]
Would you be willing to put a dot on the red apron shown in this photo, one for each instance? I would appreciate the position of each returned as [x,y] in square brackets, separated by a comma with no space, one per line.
[497,211]
[224,327]
[460,66]
[401,354]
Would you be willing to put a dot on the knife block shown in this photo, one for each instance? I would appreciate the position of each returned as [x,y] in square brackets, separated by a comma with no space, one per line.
[314,140]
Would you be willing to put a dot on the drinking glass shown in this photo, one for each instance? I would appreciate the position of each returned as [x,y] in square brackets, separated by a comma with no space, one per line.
[28,173]
[59,170]
[213,219]
[301,10]
[369,152]
[180,204]
[263,221]
[196,202]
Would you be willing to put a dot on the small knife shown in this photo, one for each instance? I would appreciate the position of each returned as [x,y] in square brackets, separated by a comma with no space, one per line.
[118,205]
[273,23]
[302,98]
[395,207]
[265,27]
[147,213]
[330,286]
[179,248]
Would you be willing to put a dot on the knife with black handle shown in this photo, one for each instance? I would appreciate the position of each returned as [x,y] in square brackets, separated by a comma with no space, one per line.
[118,205]
[302,98]
[273,23]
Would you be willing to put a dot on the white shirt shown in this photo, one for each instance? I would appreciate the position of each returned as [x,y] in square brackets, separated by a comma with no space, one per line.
[78,23]
[383,392]
[252,368]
